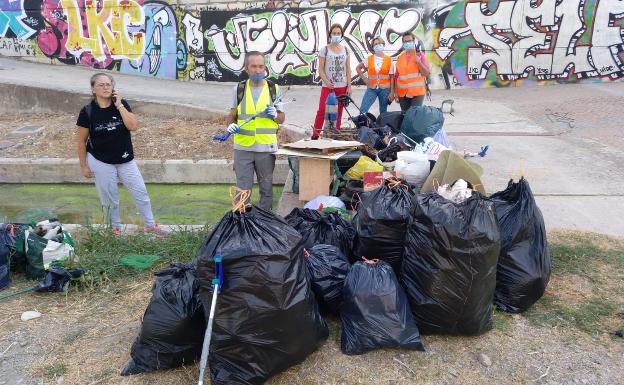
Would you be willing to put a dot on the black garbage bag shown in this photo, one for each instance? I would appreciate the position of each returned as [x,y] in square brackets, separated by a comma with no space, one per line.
[318,228]
[449,267]
[392,119]
[353,194]
[173,327]
[371,138]
[12,235]
[364,120]
[524,263]
[56,279]
[328,268]
[389,154]
[5,278]
[266,318]
[375,313]
[381,222]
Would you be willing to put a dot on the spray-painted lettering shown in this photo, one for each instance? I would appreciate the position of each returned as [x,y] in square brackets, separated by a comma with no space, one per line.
[108,26]
[549,40]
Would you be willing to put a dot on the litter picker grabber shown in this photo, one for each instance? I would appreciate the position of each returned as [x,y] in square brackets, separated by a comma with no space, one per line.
[366,119]
[217,283]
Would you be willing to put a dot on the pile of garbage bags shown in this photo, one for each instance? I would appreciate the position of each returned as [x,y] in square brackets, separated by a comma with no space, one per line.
[407,264]
[423,251]
[32,248]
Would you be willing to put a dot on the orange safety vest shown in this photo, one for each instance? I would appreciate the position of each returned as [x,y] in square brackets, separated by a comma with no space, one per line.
[409,80]
[381,79]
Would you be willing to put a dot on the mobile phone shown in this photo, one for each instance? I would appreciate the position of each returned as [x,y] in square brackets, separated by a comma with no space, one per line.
[114,98]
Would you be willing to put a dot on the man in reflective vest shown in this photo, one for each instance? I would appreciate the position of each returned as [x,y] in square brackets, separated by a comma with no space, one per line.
[411,70]
[255,142]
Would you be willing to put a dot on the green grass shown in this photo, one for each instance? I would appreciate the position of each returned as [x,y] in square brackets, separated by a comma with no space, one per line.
[595,309]
[79,203]
[502,321]
[100,251]
[55,370]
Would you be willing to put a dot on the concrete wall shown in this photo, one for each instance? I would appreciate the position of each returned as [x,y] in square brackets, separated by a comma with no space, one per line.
[15,97]
[468,44]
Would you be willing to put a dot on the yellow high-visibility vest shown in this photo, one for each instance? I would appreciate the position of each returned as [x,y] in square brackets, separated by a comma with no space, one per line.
[261,133]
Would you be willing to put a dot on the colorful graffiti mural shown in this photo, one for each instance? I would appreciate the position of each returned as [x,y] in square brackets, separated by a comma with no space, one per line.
[291,39]
[474,43]
[13,18]
[516,40]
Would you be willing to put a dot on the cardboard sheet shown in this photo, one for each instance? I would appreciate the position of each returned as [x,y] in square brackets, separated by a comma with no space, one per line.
[307,154]
[325,146]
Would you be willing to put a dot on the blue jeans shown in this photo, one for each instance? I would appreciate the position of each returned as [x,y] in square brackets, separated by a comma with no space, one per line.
[369,98]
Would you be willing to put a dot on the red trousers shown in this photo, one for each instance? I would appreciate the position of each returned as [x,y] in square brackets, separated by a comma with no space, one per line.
[320,113]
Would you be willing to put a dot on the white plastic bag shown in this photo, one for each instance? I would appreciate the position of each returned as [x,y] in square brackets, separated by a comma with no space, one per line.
[413,173]
[432,148]
[325,201]
[30,314]
[55,251]
[411,156]
[442,138]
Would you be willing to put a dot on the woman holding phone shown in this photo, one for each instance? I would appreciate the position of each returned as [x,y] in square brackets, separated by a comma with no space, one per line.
[104,145]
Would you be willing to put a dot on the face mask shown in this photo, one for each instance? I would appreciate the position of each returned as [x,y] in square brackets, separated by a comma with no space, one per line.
[378,48]
[408,45]
[336,39]
[256,77]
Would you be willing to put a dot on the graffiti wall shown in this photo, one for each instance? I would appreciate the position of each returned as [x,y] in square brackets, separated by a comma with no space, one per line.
[468,43]
[508,42]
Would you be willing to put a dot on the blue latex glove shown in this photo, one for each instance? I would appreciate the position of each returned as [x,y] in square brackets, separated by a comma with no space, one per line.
[222,137]
[233,128]
[270,112]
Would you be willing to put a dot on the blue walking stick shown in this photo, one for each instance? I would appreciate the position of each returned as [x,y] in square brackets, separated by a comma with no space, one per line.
[217,283]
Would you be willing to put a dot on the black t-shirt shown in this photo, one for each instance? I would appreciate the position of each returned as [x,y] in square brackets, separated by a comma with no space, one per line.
[109,139]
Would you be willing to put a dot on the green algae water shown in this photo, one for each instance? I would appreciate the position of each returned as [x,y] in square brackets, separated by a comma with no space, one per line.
[79,203]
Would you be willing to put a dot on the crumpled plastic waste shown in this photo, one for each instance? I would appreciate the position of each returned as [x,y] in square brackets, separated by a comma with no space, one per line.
[457,192]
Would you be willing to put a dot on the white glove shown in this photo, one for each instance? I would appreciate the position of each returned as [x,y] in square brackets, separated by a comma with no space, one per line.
[233,128]
[270,112]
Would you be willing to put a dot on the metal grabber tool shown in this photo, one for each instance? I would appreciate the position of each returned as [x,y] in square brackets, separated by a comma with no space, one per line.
[217,283]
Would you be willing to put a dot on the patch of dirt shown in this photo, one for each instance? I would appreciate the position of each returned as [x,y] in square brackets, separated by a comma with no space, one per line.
[158,138]
[89,335]
[570,288]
